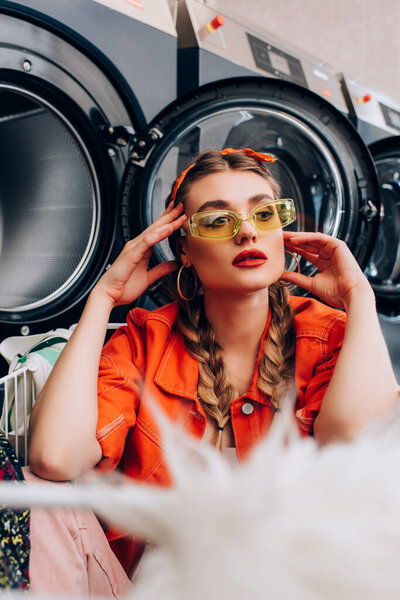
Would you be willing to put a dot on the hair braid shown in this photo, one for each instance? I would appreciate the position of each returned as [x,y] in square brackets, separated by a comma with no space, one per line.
[214,388]
[277,363]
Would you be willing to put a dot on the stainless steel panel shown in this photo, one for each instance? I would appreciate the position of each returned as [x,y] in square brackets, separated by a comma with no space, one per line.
[152,12]
[372,107]
[231,42]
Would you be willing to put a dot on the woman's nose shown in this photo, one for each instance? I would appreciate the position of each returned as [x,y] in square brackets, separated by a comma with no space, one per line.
[247,231]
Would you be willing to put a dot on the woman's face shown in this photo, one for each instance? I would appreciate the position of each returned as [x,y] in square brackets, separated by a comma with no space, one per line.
[217,261]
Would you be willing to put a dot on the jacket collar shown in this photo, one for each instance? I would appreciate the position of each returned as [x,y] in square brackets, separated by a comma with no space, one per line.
[178,372]
[253,393]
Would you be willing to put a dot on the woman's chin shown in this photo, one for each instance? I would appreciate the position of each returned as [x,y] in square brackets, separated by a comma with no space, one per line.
[240,290]
[242,282]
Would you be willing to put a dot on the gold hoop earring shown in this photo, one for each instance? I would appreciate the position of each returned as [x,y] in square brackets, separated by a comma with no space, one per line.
[288,283]
[178,285]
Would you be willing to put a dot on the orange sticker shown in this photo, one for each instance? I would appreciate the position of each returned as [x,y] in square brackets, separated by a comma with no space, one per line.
[136,3]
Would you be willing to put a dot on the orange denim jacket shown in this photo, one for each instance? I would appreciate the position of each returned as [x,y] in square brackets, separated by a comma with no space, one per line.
[148,356]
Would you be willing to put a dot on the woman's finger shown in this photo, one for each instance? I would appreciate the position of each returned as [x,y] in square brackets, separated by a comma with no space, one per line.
[313,241]
[303,248]
[170,213]
[323,252]
[153,237]
[156,232]
[292,242]
[161,270]
[174,218]
[309,256]
[311,236]
[298,279]
[308,246]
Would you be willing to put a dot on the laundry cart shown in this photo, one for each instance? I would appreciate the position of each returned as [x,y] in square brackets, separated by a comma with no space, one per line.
[31,359]
[17,396]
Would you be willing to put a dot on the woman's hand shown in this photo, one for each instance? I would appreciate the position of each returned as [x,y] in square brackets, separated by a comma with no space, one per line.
[128,277]
[339,274]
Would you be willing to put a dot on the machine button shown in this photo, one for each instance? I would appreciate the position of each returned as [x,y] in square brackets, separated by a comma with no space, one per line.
[247,408]
[364,99]
[215,24]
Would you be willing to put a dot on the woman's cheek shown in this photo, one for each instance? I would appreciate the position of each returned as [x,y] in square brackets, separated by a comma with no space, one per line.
[209,261]
[210,268]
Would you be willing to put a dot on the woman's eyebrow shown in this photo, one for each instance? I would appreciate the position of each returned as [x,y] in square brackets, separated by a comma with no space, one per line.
[214,204]
[258,197]
[225,204]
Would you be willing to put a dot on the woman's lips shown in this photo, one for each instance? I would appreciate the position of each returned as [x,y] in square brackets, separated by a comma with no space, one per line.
[249,258]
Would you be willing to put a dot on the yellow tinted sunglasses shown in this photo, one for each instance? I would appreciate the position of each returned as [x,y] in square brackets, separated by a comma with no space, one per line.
[226,223]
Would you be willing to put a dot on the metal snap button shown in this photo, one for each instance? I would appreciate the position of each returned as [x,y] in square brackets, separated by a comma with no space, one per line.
[247,408]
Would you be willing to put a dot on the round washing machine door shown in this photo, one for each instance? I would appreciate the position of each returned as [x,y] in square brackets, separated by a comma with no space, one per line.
[323,163]
[383,269]
[60,174]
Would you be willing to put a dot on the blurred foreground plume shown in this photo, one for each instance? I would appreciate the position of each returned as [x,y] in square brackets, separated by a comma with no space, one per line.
[293,521]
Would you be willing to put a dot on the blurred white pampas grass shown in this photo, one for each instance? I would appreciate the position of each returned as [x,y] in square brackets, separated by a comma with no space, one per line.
[295,521]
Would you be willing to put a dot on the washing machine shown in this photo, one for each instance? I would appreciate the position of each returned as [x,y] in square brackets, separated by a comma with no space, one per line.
[377,118]
[79,81]
[240,87]
[298,127]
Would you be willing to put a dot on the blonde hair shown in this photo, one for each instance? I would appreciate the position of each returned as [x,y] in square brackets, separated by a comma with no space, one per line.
[277,362]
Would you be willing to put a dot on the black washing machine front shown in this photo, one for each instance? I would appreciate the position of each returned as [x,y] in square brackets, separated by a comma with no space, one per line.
[66,119]
[323,163]
[383,269]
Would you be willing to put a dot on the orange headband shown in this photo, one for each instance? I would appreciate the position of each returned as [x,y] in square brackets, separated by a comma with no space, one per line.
[248,151]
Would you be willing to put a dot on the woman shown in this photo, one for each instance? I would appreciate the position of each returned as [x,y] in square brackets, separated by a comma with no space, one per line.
[220,359]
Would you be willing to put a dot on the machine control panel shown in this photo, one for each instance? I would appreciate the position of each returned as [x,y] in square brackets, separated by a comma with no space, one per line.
[258,51]
[391,116]
[275,61]
[372,107]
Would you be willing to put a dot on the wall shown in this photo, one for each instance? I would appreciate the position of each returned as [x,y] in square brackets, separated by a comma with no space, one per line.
[357,37]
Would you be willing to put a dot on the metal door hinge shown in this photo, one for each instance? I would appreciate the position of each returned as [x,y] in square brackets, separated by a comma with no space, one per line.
[121,135]
[142,145]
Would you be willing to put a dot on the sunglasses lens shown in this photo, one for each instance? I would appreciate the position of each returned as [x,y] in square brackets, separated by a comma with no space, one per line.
[267,217]
[216,224]
[286,211]
[275,214]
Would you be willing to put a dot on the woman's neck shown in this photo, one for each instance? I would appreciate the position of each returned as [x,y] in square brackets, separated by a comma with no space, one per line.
[238,320]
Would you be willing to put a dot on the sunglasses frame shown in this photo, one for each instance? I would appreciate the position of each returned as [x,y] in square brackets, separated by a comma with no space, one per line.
[238,219]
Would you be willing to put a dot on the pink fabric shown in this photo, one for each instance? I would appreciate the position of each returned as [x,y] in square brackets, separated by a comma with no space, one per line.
[70,553]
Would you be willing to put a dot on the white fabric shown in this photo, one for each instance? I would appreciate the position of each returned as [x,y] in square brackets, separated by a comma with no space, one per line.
[20,351]
[231,456]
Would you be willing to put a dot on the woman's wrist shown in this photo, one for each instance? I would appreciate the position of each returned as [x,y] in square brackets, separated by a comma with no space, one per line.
[361,295]
[101,299]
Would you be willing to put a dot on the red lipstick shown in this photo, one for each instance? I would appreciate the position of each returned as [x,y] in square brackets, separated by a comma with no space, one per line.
[249,258]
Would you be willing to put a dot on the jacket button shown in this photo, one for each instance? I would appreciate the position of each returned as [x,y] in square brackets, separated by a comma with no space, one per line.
[247,408]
